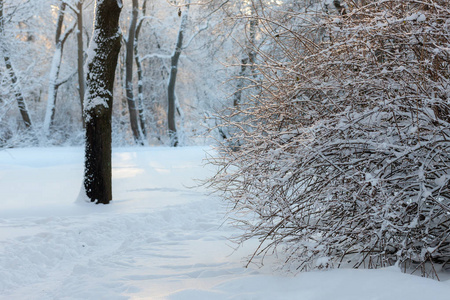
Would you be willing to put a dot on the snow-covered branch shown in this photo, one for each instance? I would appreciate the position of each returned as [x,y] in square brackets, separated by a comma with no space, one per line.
[153,55]
[341,155]
[194,35]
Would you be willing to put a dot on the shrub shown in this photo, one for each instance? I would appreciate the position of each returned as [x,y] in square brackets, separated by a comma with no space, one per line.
[344,154]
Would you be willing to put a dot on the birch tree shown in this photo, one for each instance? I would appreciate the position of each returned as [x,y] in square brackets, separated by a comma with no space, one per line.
[100,72]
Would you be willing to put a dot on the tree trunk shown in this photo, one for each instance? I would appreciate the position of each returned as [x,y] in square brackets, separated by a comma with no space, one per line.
[172,80]
[80,54]
[18,94]
[132,107]
[53,84]
[240,84]
[140,73]
[101,64]
[251,43]
[250,55]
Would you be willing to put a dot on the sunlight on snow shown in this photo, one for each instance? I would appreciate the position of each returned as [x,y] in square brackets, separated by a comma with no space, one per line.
[124,165]
[159,168]
[125,172]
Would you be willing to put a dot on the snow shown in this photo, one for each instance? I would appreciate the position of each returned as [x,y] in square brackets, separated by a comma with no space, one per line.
[161,237]
[419,17]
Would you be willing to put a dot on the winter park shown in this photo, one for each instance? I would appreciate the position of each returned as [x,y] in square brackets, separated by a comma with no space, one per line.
[225,149]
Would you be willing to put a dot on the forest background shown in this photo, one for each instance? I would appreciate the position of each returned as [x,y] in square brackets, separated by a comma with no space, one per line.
[44,45]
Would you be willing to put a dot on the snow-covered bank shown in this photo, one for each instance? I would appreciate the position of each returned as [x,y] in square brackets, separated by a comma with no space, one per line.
[159,239]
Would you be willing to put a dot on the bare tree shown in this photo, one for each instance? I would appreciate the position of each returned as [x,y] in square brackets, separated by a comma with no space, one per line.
[249,53]
[100,66]
[131,45]
[12,74]
[54,83]
[171,97]
[80,55]
[140,71]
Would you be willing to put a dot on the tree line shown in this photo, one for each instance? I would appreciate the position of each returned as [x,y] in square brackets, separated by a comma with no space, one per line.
[171,66]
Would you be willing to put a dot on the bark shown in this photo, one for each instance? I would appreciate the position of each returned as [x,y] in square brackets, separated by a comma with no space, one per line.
[53,85]
[101,64]
[240,84]
[60,21]
[172,80]
[249,58]
[130,46]
[18,93]
[251,43]
[80,56]
[12,74]
[140,73]
[339,7]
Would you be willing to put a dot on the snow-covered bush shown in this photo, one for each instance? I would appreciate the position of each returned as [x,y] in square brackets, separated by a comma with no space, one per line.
[345,153]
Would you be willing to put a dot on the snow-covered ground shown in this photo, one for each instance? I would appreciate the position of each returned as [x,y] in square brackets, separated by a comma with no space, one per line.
[159,239]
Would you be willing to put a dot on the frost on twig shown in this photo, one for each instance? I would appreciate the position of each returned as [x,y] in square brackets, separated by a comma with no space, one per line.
[345,153]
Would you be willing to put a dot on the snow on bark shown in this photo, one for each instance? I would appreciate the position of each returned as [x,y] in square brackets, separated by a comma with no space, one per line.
[171,96]
[140,74]
[98,94]
[52,89]
[100,72]
[60,39]
[80,56]
[12,74]
[133,108]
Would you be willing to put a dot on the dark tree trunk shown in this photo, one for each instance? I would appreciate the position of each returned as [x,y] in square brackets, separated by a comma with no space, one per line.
[140,73]
[172,80]
[80,54]
[18,94]
[101,66]
[132,107]
[249,59]
[240,84]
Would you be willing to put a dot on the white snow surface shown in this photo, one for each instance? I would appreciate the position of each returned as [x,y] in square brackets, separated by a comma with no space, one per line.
[158,239]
